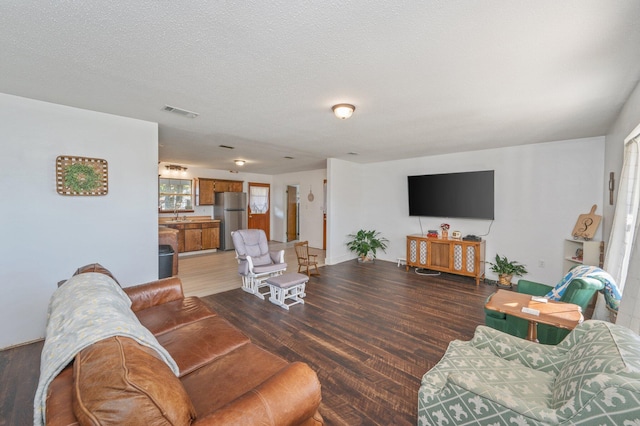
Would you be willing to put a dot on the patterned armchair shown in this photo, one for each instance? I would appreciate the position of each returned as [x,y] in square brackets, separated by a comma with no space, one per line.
[592,377]
[579,292]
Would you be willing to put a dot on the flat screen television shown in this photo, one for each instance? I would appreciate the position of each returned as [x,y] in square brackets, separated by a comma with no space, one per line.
[459,195]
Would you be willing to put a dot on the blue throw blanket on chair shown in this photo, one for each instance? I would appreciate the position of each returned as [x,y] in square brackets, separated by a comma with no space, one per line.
[611,293]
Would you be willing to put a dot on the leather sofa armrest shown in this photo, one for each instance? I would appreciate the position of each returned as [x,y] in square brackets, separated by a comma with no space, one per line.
[154,293]
[288,398]
[533,288]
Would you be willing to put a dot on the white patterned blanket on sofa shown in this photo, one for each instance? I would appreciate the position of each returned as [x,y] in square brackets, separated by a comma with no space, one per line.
[86,309]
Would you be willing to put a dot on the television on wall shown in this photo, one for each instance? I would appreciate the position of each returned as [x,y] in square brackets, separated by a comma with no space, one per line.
[466,195]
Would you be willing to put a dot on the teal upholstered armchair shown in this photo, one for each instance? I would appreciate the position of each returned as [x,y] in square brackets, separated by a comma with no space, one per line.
[579,292]
[591,378]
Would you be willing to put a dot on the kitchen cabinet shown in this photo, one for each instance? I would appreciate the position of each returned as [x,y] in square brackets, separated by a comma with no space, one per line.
[196,235]
[207,187]
[205,191]
[210,236]
[193,237]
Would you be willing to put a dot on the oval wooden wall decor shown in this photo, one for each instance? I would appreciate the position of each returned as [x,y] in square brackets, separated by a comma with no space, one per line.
[81,176]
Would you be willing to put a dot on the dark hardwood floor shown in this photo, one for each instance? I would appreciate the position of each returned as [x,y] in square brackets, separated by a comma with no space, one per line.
[369,331]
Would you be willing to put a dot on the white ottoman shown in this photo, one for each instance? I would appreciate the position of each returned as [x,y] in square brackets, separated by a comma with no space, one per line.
[287,287]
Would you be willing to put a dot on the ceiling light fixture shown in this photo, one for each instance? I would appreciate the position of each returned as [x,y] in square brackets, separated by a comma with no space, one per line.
[343,111]
[174,169]
[239,162]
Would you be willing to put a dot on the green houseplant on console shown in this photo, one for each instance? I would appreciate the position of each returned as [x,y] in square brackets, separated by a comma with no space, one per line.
[506,269]
[365,244]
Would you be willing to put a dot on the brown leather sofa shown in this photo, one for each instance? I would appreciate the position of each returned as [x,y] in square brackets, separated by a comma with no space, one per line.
[224,378]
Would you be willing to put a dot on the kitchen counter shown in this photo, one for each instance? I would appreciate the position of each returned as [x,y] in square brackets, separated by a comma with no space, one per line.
[195,233]
[190,219]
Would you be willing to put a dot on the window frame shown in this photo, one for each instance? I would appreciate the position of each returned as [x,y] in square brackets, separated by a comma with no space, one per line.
[175,194]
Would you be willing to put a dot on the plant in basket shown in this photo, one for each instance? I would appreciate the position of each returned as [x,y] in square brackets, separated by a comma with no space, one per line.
[506,269]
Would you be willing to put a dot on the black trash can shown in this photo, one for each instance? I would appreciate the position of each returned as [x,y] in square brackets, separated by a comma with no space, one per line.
[165,261]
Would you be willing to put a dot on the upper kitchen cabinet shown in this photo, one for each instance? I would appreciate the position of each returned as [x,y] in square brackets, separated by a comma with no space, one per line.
[207,187]
[205,191]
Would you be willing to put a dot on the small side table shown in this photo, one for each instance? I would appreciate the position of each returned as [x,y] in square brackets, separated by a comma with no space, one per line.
[557,314]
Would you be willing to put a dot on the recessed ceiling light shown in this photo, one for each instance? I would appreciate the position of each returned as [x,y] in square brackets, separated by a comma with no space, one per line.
[239,162]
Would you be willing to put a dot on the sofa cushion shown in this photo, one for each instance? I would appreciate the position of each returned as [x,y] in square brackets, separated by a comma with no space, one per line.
[196,344]
[229,377]
[168,316]
[468,367]
[597,349]
[119,381]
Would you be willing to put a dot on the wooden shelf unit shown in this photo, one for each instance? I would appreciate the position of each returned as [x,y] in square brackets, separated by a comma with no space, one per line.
[592,253]
[450,256]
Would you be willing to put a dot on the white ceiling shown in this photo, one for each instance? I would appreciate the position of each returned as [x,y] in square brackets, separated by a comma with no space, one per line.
[427,77]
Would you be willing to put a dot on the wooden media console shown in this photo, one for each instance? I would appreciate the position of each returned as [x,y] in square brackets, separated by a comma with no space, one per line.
[450,256]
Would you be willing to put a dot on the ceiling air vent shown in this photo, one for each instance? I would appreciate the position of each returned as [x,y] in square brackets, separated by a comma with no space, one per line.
[226,147]
[180,111]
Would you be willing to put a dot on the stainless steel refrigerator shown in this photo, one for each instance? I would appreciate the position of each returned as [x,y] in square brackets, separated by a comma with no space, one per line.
[231,209]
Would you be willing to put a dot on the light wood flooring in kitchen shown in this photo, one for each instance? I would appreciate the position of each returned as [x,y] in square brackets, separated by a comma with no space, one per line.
[215,272]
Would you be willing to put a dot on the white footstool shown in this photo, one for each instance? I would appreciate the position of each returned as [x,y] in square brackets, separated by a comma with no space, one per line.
[287,287]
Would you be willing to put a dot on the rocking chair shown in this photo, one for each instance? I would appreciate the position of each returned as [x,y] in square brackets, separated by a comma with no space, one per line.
[256,262]
[305,260]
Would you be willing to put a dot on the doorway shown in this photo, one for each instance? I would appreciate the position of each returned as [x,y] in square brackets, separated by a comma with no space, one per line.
[258,208]
[293,207]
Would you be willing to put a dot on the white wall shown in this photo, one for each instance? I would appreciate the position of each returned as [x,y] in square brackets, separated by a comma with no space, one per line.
[345,192]
[540,192]
[46,236]
[311,212]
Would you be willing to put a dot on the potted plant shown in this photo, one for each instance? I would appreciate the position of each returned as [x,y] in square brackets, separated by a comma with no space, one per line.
[506,269]
[366,243]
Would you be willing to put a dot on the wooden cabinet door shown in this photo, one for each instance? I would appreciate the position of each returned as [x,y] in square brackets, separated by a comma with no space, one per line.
[440,255]
[207,241]
[210,236]
[192,239]
[215,237]
[222,186]
[235,186]
[205,192]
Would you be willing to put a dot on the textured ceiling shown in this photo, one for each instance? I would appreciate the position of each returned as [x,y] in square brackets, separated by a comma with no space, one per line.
[427,77]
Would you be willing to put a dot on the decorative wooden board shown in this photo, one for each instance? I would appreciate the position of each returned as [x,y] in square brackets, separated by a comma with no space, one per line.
[81,176]
[587,224]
